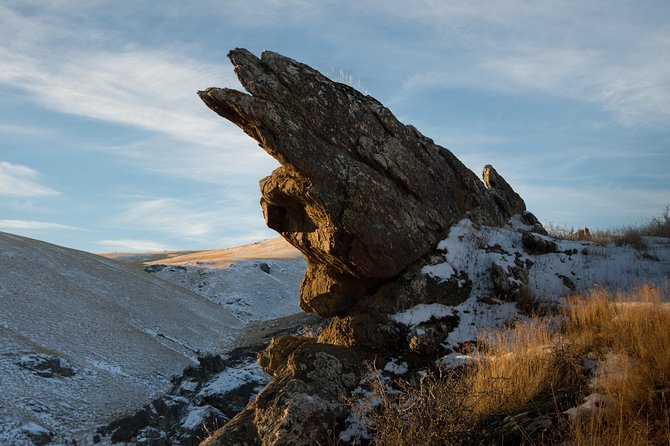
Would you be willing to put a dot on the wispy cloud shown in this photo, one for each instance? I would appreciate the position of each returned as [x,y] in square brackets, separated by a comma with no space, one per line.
[170,216]
[17,180]
[603,53]
[10,225]
[31,131]
[131,245]
[129,88]
[149,88]
[219,219]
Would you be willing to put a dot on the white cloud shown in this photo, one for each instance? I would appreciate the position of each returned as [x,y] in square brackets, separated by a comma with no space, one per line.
[11,225]
[131,245]
[603,53]
[197,220]
[592,206]
[170,216]
[152,89]
[17,180]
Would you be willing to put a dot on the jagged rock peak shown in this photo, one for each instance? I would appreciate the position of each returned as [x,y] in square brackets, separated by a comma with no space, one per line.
[362,195]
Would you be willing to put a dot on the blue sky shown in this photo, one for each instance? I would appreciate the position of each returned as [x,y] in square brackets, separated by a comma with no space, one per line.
[104,145]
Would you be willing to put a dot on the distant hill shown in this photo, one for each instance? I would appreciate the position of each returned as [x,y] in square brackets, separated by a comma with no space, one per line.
[255,282]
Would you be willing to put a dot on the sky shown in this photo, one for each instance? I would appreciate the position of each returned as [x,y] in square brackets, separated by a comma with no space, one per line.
[104,145]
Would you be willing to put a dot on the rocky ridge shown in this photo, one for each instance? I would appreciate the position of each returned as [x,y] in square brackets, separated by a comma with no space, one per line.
[407,250]
[365,198]
[361,195]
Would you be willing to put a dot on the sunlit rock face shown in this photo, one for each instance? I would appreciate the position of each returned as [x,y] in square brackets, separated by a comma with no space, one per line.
[362,195]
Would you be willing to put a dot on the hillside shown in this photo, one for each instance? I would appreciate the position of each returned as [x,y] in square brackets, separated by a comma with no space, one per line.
[84,338]
[255,281]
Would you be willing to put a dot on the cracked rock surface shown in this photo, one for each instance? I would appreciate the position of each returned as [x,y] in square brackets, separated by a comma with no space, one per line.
[366,199]
[362,195]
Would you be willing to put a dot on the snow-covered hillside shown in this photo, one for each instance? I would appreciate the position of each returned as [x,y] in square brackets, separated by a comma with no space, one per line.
[256,281]
[84,338]
[497,261]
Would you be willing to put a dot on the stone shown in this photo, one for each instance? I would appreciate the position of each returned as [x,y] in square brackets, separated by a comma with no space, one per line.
[503,194]
[568,282]
[46,366]
[509,279]
[150,436]
[303,405]
[199,421]
[37,434]
[581,234]
[536,244]
[531,220]
[360,194]
[276,355]
[240,431]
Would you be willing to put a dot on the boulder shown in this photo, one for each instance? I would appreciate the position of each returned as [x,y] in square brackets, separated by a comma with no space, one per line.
[538,244]
[46,366]
[37,434]
[360,194]
[366,199]
[305,402]
[276,355]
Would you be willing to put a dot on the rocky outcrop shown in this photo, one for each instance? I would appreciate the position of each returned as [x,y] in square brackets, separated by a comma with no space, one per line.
[46,366]
[360,194]
[202,399]
[366,199]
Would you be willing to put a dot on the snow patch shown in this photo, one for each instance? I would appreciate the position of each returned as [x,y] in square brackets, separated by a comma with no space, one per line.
[440,271]
[421,313]
[396,367]
[594,404]
[199,416]
[233,378]
[107,367]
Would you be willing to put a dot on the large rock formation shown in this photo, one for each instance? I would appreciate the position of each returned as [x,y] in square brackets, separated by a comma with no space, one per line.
[366,199]
[360,194]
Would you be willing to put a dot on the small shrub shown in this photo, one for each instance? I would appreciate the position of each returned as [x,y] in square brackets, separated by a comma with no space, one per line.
[659,226]
[433,411]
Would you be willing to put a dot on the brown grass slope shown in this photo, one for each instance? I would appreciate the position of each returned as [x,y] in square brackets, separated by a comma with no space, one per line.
[524,378]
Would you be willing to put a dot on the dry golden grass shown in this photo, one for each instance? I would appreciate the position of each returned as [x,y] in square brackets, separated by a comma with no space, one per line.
[631,336]
[433,411]
[628,337]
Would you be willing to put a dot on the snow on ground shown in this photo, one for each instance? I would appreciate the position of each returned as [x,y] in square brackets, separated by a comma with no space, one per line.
[577,266]
[469,253]
[235,377]
[422,313]
[84,338]
[255,282]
